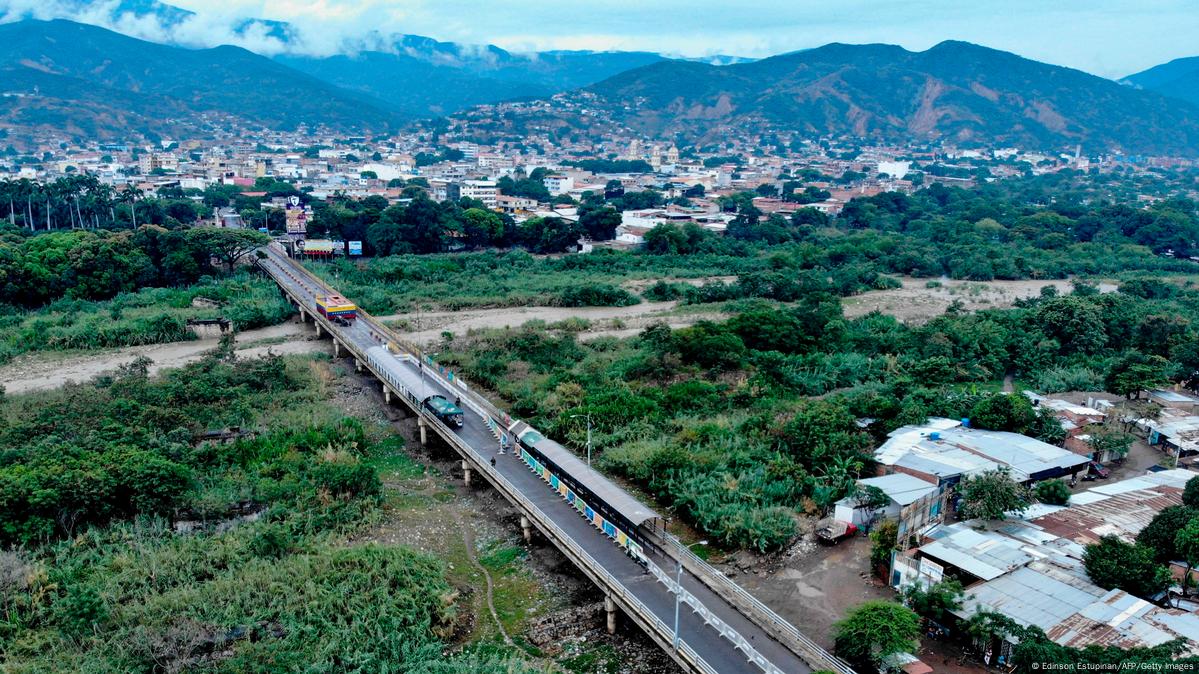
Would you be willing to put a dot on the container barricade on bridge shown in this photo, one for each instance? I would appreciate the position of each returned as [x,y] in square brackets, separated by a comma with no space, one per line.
[497,421]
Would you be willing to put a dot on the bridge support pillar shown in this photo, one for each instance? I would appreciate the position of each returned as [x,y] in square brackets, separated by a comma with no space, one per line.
[317,326]
[336,349]
[386,393]
[302,318]
[357,365]
[465,471]
[420,421]
[526,528]
[610,609]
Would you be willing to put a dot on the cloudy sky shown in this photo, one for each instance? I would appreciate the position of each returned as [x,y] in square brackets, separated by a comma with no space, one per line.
[1106,37]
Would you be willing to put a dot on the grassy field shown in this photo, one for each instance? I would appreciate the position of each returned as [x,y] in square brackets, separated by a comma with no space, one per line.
[149,316]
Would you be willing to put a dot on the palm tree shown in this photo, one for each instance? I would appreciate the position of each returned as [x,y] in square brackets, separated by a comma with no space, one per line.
[131,194]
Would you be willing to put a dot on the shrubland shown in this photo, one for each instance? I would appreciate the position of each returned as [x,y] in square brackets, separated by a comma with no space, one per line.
[137,540]
[742,425]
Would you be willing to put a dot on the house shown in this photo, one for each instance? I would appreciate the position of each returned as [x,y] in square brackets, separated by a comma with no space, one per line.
[1175,430]
[1031,570]
[944,451]
[483,190]
[914,503]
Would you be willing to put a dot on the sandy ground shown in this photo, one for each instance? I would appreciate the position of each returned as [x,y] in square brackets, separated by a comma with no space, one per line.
[427,327]
[917,303]
[815,589]
[49,370]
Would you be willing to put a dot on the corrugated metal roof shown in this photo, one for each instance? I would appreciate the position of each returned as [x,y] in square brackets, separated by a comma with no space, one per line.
[984,554]
[1029,597]
[946,450]
[904,489]
[1122,514]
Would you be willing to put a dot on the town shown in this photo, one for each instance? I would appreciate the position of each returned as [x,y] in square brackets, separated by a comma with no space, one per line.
[366,351]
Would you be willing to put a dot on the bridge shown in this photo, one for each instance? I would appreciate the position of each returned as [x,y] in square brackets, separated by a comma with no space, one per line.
[722,628]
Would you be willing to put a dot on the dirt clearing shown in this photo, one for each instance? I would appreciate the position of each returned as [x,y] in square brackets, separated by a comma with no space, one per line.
[44,370]
[426,328]
[917,302]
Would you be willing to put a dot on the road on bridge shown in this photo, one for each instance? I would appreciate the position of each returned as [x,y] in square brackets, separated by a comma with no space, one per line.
[718,652]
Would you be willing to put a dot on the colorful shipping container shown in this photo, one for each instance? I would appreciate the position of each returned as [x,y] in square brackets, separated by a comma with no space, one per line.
[336,305]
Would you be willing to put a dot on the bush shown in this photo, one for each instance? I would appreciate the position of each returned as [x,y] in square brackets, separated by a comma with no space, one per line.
[597,295]
[661,291]
[1052,492]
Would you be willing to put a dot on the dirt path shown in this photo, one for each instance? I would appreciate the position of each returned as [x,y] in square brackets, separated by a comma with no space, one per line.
[427,328]
[49,370]
[468,538]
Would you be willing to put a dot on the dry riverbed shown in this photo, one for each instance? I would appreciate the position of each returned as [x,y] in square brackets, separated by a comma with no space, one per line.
[916,302]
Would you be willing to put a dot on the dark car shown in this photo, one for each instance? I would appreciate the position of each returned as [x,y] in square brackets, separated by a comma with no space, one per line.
[449,413]
[1096,471]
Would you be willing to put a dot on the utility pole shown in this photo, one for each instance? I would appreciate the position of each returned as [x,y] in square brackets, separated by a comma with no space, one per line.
[678,592]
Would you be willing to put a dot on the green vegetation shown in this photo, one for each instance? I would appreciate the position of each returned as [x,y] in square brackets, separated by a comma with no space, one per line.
[474,280]
[1112,563]
[993,496]
[936,601]
[875,629]
[147,316]
[145,547]
[720,421]
[1052,492]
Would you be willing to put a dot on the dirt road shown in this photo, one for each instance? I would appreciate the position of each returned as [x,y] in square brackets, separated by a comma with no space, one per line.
[427,328]
[49,370]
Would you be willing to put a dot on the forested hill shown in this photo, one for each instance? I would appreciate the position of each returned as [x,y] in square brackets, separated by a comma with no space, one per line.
[1177,79]
[92,82]
[955,91]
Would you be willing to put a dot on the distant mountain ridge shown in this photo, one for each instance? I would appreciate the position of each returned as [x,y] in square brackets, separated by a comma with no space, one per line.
[954,91]
[91,81]
[1177,79]
[417,76]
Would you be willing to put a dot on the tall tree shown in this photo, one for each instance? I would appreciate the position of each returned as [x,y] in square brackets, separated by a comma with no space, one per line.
[993,495]
[875,629]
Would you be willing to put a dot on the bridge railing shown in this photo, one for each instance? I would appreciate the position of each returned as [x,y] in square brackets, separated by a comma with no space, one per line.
[757,612]
[592,566]
[745,602]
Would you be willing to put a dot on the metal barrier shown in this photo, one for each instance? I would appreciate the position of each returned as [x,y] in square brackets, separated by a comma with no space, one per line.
[757,612]
[747,603]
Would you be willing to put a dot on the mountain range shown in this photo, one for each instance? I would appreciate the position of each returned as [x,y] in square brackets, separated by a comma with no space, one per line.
[1177,79]
[954,90]
[92,82]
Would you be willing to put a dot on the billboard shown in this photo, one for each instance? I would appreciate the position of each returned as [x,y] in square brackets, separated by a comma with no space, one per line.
[297,217]
[355,248]
[318,247]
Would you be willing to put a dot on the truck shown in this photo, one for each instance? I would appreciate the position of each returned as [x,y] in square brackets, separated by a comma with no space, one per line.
[449,413]
[335,307]
[831,531]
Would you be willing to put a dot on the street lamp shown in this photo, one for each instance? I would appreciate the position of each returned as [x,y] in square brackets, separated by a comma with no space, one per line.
[588,417]
[678,592]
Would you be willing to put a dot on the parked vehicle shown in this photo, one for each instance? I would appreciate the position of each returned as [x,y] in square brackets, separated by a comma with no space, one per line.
[449,413]
[831,532]
[1097,471]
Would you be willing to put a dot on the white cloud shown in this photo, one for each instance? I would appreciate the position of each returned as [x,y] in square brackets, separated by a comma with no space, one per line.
[1107,37]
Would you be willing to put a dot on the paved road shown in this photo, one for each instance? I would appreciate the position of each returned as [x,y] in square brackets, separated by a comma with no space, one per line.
[716,650]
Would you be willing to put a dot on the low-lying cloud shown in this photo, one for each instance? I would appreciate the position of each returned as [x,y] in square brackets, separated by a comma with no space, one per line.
[1108,37]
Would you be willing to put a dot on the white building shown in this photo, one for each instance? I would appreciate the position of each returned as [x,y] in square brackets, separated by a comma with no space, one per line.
[483,190]
[558,184]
